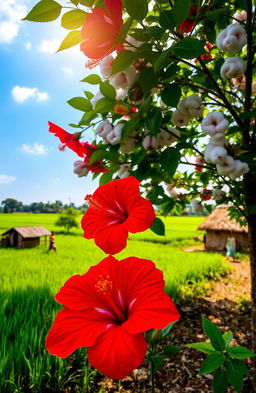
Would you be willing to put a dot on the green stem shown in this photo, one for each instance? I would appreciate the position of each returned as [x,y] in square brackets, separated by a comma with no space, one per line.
[152,375]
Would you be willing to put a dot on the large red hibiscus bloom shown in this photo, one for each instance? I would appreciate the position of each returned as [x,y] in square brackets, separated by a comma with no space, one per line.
[107,309]
[82,149]
[102,30]
[116,208]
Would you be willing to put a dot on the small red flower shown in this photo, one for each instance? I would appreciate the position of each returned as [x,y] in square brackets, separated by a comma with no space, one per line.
[206,194]
[102,30]
[116,208]
[187,25]
[82,149]
[107,309]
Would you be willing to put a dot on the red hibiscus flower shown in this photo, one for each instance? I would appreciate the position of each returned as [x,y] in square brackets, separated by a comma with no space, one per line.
[102,30]
[187,25]
[116,208]
[82,149]
[107,309]
[206,194]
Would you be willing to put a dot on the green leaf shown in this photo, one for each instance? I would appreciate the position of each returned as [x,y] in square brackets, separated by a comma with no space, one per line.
[180,10]
[107,90]
[189,48]
[169,160]
[73,19]
[97,155]
[73,38]
[171,71]
[123,60]
[130,126]
[87,3]
[137,9]
[166,20]
[80,103]
[171,350]
[158,227]
[171,94]
[154,120]
[168,328]
[220,382]
[234,375]
[44,11]
[238,352]
[147,80]
[106,178]
[104,105]
[214,334]
[212,362]
[202,347]
[93,79]
[227,337]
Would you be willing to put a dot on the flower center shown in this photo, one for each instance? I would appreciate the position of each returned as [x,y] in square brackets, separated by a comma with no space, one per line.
[118,213]
[104,284]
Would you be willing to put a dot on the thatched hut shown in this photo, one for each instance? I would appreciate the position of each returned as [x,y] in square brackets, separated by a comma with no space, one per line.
[23,237]
[219,227]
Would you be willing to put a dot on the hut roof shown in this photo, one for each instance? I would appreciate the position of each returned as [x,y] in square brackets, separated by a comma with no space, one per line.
[219,220]
[30,232]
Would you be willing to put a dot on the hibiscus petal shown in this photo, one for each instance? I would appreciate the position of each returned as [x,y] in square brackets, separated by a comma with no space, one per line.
[116,353]
[112,239]
[114,10]
[75,329]
[141,216]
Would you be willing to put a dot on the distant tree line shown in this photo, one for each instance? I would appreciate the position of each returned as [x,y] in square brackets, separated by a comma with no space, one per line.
[11,205]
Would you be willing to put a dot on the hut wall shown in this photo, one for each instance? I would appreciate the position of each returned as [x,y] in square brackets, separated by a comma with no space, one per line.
[31,242]
[217,240]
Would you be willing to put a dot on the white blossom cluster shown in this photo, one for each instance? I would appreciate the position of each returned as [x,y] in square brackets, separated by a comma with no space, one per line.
[188,108]
[215,125]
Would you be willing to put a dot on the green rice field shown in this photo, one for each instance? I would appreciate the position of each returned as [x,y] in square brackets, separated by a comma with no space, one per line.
[29,278]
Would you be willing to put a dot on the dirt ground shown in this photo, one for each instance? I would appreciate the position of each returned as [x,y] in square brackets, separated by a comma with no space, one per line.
[227,303]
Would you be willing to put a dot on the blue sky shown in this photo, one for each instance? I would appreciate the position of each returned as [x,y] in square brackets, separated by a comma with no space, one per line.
[34,87]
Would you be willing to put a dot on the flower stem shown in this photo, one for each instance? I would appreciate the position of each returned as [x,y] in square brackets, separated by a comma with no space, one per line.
[152,375]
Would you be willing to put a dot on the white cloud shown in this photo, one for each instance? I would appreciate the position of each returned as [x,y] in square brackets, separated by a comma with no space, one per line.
[5,179]
[11,14]
[67,71]
[35,149]
[28,45]
[49,47]
[22,94]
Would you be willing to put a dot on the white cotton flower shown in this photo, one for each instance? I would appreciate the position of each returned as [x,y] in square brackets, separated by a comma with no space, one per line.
[233,67]
[172,190]
[80,168]
[219,140]
[133,43]
[191,106]
[207,153]
[114,137]
[106,66]
[121,94]
[179,119]
[197,206]
[214,123]
[124,79]
[233,38]
[150,142]
[240,169]
[218,195]
[124,171]
[166,138]
[227,166]
[104,129]
[218,154]
[98,96]
[128,143]
[240,17]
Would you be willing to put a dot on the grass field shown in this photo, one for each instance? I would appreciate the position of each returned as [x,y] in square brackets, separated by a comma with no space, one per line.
[30,277]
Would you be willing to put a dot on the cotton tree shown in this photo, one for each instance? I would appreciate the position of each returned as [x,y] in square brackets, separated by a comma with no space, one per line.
[175,86]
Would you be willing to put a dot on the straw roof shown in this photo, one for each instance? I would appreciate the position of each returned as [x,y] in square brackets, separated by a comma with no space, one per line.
[29,232]
[219,220]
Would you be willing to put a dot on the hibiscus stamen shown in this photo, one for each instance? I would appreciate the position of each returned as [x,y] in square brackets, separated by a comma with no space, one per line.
[104,284]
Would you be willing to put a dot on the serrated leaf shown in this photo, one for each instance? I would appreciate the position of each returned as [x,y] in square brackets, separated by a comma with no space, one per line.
[44,11]
[104,105]
[220,381]
[93,79]
[171,94]
[189,48]
[80,103]
[107,90]
[73,38]
[137,9]
[73,19]
[202,347]
[168,328]
[123,60]
[227,337]
[212,362]
[235,378]
[169,160]
[238,352]
[214,334]
[106,178]
[158,227]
